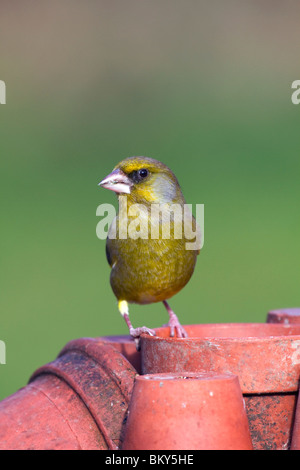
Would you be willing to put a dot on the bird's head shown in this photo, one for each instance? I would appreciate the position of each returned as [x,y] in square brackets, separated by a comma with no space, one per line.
[144,180]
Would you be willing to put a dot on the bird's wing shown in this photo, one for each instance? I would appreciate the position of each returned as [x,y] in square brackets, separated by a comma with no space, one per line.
[108,255]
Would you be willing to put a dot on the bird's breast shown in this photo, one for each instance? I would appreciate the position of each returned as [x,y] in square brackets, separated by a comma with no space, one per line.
[149,270]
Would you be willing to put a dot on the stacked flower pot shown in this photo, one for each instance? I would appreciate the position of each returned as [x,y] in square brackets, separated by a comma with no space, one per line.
[226,386]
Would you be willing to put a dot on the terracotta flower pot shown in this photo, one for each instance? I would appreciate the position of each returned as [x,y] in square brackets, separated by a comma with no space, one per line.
[187,411]
[265,357]
[288,316]
[79,401]
[295,445]
[126,345]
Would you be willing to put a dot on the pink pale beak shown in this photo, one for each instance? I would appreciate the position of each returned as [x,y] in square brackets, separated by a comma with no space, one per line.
[117,181]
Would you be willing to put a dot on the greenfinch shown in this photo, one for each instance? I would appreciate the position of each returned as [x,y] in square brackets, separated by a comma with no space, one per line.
[147,269]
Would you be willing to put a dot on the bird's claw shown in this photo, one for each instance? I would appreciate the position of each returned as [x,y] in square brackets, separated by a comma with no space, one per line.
[180,331]
[136,333]
[176,327]
[174,323]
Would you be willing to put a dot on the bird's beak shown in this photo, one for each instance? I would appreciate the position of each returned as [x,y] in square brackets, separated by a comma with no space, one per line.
[117,181]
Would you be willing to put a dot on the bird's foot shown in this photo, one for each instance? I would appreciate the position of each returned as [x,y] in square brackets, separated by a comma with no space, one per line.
[136,333]
[176,327]
[174,324]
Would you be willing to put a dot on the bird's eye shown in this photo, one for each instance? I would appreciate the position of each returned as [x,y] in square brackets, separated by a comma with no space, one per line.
[143,173]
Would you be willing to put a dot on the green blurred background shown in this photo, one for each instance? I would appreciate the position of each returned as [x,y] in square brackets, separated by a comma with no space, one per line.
[204,87]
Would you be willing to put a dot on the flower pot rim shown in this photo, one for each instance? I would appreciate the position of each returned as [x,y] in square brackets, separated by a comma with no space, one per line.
[270,332]
[184,375]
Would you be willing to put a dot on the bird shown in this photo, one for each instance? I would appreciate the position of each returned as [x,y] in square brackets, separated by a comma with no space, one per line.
[146,269]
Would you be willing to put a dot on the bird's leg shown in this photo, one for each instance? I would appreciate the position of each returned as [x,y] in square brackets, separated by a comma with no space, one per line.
[174,323]
[134,332]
